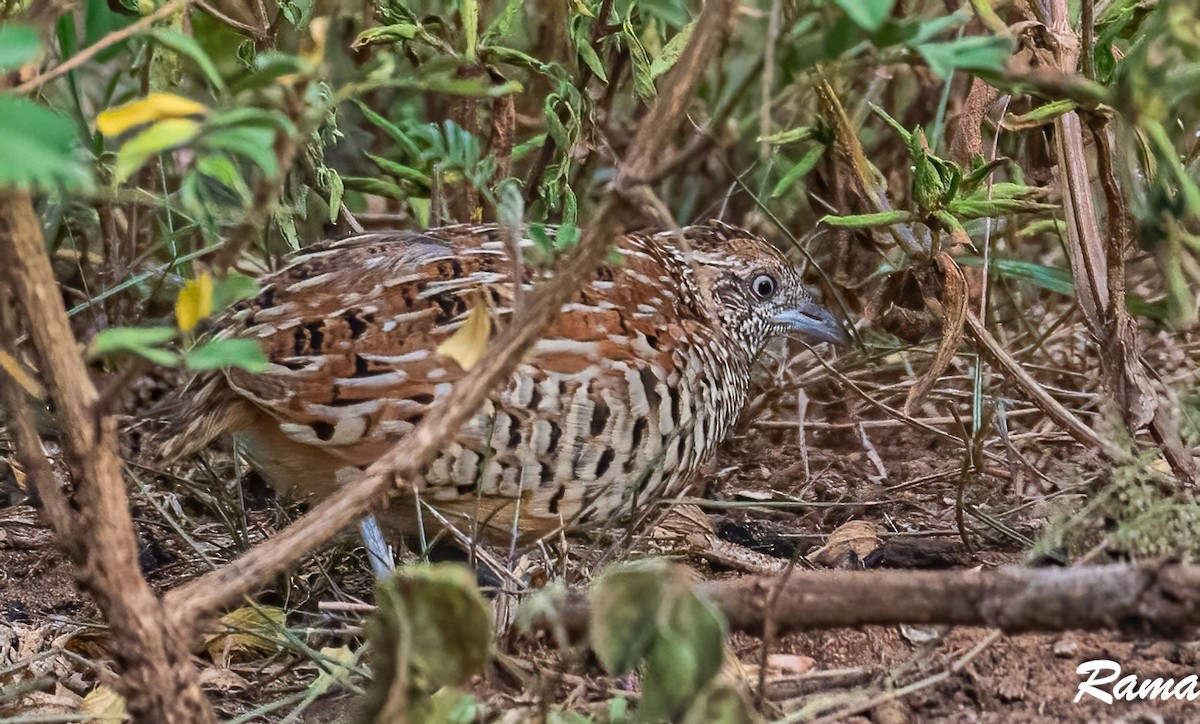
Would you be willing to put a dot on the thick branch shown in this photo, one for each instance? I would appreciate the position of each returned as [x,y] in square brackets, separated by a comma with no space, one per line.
[93,525]
[205,596]
[1157,600]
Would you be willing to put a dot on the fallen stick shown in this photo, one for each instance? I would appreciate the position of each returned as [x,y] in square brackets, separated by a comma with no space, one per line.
[1159,600]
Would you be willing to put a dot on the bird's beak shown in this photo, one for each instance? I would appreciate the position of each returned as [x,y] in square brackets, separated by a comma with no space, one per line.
[814,322]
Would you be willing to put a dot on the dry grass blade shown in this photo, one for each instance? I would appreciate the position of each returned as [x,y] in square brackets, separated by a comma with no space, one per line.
[1043,399]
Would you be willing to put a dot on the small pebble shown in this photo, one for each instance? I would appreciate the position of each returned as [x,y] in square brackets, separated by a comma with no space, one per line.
[1066,647]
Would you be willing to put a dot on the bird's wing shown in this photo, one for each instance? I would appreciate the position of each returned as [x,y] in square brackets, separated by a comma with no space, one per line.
[351,331]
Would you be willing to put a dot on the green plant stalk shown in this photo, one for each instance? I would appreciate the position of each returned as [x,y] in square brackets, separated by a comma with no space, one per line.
[470,19]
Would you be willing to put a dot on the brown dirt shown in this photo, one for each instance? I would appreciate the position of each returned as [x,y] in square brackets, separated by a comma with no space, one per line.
[775,491]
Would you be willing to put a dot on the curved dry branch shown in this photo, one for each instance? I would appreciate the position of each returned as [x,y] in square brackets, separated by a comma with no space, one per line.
[93,525]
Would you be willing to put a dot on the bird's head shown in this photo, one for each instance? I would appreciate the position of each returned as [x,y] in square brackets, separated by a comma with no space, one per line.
[752,290]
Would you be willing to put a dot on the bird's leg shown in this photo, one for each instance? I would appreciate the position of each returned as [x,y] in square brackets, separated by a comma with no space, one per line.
[379,552]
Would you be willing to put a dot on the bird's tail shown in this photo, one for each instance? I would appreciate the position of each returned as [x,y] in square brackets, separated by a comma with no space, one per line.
[196,416]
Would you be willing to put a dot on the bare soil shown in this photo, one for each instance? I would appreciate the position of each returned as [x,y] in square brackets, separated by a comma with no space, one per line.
[775,488]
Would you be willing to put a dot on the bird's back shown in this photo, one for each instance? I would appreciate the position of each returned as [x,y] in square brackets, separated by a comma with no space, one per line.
[621,400]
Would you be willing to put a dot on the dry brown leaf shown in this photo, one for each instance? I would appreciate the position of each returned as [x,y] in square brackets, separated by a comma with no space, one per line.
[469,344]
[60,705]
[953,303]
[16,372]
[779,665]
[860,537]
[103,704]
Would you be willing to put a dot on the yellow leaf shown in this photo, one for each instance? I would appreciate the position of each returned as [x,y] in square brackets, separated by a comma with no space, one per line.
[195,302]
[246,629]
[154,107]
[335,668]
[161,136]
[468,345]
[103,704]
[318,28]
[17,372]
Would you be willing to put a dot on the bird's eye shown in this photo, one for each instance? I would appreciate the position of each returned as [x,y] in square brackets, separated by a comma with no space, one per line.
[764,286]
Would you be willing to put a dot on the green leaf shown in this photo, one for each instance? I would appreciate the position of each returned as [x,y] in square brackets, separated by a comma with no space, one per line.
[251,117]
[420,209]
[588,55]
[686,657]
[567,236]
[220,353]
[161,136]
[542,242]
[444,81]
[452,706]
[19,45]
[669,677]
[792,135]
[38,148]
[649,610]
[643,81]
[720,703]
[1039,116]
[375,187]
[333,182]
[401,171]
[189,48]
[505,22]
[671,51]
[386,34]
[219,167]
[570,210]
[510,203]
[399,137]
[915,32]
[903,132]
[254,143]
[972,209]
[232,289]
[973,53]
[451,622]
[502,54]
[866,14]
[100,21]
[431,629]
[1047,277]
[807,163]
[143,341]
[268,68]
[866,221]
[624,614]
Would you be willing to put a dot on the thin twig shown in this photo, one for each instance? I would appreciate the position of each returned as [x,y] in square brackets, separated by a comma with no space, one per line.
[107,41]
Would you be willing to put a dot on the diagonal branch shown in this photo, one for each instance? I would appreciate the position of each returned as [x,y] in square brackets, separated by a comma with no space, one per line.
[92,525]
[207,595]
[82,57]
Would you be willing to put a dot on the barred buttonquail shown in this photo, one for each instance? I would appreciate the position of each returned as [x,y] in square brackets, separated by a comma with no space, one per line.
[628,393]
